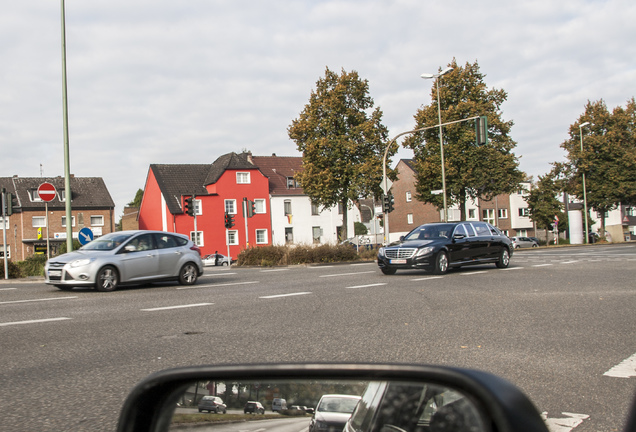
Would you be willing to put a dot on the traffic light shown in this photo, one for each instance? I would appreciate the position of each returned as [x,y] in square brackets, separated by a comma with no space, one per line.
[189,207]
[481,130]
[387,203]
[391,202]
[229,220]
[251,208]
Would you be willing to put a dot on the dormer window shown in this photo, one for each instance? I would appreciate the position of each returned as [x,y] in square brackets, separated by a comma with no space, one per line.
[242,178]
[34,196]
[291,183]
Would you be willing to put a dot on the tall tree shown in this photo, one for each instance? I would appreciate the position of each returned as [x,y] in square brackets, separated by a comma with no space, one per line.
[471,171]
[136,202]
[543,203]
[342,141]
[608,159]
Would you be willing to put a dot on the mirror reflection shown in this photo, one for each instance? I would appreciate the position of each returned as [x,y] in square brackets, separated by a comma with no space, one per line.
[325,406]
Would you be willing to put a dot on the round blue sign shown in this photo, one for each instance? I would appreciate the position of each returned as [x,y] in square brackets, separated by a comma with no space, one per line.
[85,236]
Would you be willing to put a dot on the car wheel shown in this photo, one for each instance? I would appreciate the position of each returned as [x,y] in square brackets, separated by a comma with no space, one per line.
[107,279]
[388,271]
[188,274]
[200,410]
[64,287]
[504,259]
[225,263]
[535,245]
[441,263]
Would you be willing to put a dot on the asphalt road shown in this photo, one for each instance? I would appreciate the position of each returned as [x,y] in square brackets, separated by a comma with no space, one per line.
[553,323]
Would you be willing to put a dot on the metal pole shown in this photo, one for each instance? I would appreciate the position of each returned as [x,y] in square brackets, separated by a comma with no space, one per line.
[584,191]
[4,235]
[67,159]
[441,150]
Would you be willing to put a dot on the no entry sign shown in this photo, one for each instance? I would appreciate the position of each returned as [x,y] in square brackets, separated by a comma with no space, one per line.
[46,192]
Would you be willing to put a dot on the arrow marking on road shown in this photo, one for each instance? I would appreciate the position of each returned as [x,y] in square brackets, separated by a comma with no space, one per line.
[563,424]
[625,369]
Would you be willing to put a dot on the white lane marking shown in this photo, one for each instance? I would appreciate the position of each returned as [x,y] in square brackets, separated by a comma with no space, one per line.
[474,273]
[542,265]
[625,369]
[274,270]
[427,278]
[365,286]
[284,295]
[347,274]
[7,289]
[569,262]
[512,268]
[362,264]
[176,307]
[217,285]
[37,300]
[563,424]
[220,273]
[321,267]
[34,321]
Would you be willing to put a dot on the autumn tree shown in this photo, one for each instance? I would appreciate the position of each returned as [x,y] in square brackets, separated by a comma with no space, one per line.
[471,171]
[543,204]
[608,158]
[342,141]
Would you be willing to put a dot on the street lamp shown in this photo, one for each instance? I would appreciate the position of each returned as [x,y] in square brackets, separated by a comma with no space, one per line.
[584,192]
[441,143]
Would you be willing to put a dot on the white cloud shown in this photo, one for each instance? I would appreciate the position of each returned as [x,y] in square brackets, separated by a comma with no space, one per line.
[178,82]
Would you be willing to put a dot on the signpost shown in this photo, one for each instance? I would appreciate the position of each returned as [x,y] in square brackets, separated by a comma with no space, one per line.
[47,193]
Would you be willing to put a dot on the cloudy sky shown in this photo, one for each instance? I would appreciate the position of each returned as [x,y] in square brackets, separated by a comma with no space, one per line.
[185,81]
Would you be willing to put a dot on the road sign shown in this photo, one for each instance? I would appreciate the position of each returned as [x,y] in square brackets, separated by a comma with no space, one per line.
[389,183]
[85,236]
[46,192]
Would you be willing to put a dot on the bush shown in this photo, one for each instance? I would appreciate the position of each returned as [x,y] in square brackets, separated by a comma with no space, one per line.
[14,269]
[268,256]
[32,266]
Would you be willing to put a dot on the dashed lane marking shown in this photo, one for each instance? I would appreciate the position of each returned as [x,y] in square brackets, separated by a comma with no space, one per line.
[176,307]
[284,295]
[37,300]
[34,321]
[366,286]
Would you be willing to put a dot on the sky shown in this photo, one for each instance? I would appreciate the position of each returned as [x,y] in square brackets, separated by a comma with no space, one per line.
[156,81]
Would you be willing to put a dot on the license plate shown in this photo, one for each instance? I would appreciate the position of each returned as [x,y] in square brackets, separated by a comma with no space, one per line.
[55,272]
[398,261]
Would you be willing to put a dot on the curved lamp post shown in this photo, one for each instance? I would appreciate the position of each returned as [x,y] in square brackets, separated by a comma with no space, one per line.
[584,191]
[437,76]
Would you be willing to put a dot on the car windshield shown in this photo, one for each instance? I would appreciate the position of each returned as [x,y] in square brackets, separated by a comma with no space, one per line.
[338,404]
[107,242]
[427,232]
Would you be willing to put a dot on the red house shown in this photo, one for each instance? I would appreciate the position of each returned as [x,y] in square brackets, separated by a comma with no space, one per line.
[219,188]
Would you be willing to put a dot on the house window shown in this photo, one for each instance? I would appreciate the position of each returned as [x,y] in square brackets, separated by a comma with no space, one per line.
[409,218]
[630,211]
[522,233]
[63,195]
[38,221]
[230,206]
[291,183]
[261,236]
[232,237]
[316,232]
[524,211]
[197,207]
[64,221]
[502,213]
[287,205]
[471,214]
[488,215]
[242,177]
[408,197]
[289,235]
[34,196]
[97,220]
[197,237]
[6,222]
[259,206]
[315,211]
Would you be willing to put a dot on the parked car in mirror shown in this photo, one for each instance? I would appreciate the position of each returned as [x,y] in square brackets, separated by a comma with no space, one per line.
[216,259]
[436,247]
[127,257]
[332,412]
[523,242]
[212,404]
[253,407]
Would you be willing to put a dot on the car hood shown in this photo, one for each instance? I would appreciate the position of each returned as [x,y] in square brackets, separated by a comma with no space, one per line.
[80,254]
[417,243]
[332,417]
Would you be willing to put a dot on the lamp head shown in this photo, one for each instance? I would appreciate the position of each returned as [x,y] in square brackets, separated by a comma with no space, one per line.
[584,124]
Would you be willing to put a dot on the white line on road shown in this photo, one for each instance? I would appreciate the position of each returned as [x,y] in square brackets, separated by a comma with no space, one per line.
[625,369]
[474,273]
[512,268]
[284,295]
[176,307]
[7,289]
[365,286]
[427,278]
[362,264]
[34,321]
[563,424]
[569,262]
[541,265]
[217,285]
[274,270]
[37,300]
[348,274]
[219,273]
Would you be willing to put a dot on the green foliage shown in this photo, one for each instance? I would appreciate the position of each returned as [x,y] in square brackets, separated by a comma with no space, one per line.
[542,202]
[608,156]
[62,249]
[32,266]
[13,269]
[136,202]
[471,171]
[341,141]
[360,229]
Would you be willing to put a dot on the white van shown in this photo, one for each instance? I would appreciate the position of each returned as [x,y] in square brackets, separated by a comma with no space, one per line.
[279,404]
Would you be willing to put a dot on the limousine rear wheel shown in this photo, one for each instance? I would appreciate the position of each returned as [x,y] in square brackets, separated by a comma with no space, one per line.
[441,263]
[504,258]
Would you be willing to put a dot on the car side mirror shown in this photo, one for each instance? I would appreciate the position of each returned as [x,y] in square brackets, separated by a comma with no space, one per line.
[130,248]
[431,397]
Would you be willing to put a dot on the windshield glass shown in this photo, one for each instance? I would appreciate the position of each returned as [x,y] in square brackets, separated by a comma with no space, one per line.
[107,242]
[429,232]
[338,404]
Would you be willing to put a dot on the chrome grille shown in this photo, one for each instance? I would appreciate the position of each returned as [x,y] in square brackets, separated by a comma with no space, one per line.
[400,253]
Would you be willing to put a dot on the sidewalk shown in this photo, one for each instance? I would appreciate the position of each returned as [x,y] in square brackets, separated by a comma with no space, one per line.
[30,279]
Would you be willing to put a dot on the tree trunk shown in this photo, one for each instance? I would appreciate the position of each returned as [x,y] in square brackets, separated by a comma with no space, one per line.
[345,228]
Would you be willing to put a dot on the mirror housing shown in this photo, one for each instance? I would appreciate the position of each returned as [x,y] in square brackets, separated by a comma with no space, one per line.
[150,405]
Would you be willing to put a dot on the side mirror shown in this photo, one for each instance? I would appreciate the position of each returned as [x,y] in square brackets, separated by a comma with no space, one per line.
[401,238]
[130,248]
[397,398]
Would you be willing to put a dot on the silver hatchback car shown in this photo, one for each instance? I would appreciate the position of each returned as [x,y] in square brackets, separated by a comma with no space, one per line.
[127,257]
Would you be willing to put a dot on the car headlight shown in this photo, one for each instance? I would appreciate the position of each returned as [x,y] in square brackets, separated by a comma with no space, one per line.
[82,262]
[381,251]
[424,251]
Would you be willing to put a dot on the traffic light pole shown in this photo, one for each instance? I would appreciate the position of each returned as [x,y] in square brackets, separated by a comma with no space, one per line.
[4,234]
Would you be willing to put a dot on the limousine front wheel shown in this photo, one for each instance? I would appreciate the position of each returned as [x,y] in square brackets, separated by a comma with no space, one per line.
[441,263]
[504,258]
